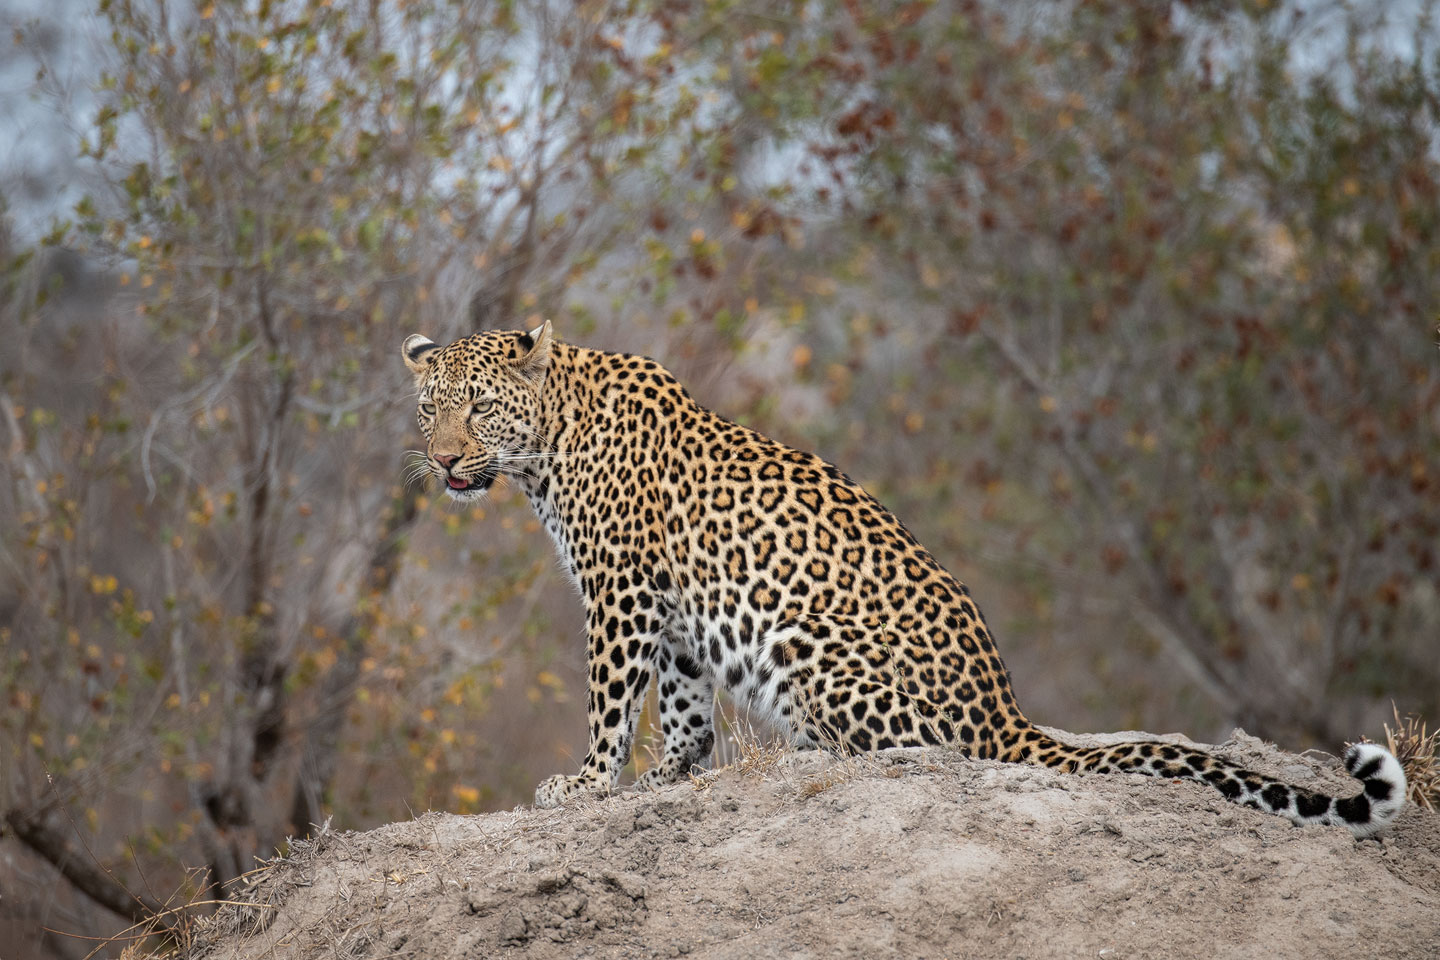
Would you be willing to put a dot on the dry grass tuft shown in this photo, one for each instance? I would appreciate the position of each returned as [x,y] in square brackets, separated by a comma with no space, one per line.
[843,771]
[744,751]
[1418,750]
[814,786]
[756,755]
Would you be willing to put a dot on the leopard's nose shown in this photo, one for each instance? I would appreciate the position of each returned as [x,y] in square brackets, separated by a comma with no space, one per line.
[446,459]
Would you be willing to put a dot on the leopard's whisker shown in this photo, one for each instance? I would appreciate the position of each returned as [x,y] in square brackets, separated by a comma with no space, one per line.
[537,436]
[533,456]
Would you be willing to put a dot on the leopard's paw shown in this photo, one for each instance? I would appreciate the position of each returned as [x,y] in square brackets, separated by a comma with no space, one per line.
[559,789]
[655,778]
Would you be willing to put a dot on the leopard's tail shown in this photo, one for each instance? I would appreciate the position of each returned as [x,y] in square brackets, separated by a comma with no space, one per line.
[1368,812]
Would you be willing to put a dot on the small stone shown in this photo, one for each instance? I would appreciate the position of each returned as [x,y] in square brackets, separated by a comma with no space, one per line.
[550,882]
[513,926]
[630,884]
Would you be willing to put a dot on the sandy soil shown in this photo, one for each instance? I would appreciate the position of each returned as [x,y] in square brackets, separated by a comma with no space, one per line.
[905,854]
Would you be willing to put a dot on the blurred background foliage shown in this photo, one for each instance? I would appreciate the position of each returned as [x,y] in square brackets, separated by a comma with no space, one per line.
[1127,309]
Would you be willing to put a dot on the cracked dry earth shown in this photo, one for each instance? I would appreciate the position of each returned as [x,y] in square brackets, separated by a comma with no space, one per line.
[908,853]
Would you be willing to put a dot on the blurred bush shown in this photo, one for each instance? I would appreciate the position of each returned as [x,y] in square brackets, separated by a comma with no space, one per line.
[1127,310]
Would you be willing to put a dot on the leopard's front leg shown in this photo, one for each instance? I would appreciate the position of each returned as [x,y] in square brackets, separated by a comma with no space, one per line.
[687,715]
[621,657]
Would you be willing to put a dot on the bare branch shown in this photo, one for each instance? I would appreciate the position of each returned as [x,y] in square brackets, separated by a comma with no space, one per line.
[87,874]
[1178,638]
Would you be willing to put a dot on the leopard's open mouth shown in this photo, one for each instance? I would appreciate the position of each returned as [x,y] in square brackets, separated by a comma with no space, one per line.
[478,484]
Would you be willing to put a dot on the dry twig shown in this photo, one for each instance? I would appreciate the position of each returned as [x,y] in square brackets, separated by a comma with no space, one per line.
[1418,750]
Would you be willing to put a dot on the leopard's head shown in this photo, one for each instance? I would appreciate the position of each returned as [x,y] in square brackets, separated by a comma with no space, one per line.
[480,405]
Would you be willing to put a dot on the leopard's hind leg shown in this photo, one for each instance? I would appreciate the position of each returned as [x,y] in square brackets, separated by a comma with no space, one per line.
[854,686]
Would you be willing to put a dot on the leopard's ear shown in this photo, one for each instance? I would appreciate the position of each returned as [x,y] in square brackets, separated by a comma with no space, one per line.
[532,365]
[419,351]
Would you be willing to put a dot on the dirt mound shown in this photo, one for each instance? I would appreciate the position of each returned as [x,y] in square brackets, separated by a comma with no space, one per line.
[908,853]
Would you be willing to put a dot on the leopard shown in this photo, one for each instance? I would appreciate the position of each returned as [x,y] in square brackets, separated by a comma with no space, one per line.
[710,557]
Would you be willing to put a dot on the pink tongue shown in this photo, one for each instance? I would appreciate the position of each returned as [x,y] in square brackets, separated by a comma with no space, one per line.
[456,483]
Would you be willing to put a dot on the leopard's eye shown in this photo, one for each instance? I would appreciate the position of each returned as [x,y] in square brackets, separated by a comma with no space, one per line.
[482,407]
[428,409]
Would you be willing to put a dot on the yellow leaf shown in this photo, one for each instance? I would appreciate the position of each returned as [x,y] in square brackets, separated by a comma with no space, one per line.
[929,276]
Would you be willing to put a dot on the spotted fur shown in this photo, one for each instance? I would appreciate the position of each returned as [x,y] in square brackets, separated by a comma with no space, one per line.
[710,556]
